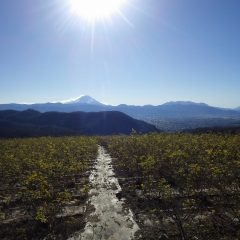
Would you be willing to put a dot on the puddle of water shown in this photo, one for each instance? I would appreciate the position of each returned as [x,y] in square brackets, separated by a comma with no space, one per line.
[110,220]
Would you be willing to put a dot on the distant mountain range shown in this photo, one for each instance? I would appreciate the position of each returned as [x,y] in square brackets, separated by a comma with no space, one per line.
[171,116]
[31,123]
[168,110]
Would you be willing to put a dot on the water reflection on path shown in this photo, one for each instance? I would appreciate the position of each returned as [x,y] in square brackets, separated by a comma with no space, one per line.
[110,220]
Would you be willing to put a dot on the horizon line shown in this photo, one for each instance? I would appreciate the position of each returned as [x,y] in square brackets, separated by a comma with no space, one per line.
[107,104]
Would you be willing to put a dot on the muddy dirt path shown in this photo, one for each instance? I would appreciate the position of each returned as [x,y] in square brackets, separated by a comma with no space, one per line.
[110,220]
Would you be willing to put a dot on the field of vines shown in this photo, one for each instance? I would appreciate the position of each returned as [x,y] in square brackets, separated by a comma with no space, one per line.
[180,186]
[44,186]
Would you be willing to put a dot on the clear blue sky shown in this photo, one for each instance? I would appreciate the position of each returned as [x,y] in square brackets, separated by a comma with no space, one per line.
[171,50]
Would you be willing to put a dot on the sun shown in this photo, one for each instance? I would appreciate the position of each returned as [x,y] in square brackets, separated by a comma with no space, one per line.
[93,10]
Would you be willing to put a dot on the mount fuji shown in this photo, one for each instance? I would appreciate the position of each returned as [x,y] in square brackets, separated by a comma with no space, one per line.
[84,99]
[168,116]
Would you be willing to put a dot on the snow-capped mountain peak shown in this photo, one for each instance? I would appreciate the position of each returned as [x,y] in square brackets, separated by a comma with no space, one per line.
[84,99]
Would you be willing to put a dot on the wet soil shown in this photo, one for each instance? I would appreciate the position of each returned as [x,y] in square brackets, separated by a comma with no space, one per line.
[111,218]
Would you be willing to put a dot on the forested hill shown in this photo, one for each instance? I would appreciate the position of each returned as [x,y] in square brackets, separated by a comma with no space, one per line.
[31,123]
[216,130]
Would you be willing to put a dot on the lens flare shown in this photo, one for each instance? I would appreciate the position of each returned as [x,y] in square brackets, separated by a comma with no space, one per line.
[92,10]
